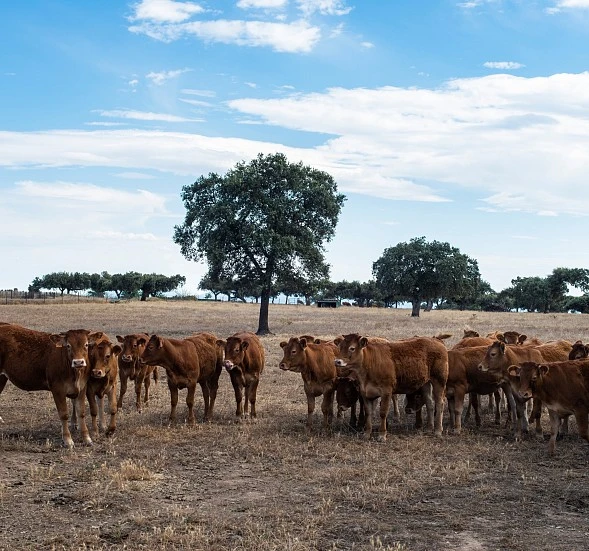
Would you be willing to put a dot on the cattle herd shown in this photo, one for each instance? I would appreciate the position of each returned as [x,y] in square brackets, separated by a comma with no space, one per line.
[354,371]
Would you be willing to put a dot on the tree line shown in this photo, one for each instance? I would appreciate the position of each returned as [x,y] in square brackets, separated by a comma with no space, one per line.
[127,285]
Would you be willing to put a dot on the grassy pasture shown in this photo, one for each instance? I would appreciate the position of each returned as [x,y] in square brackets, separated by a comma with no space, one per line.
[269,485]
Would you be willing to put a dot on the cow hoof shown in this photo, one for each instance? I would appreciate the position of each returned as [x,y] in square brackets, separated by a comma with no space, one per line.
[109,432]
[69,444]
[381,438]
[88,442]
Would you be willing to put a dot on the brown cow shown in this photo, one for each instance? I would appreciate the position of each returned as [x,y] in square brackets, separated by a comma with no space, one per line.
[34,360]
[497,360]
[554,351]
[563,387]
[244,360]
[131,368]
[579,351]
[103,381]
[316,364]
[386,368]
[468,342]
[185,369]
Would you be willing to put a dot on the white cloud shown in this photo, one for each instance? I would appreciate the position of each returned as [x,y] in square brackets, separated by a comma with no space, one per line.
[500,132]
[262,4]
[163,76]
[167,11]
[298,36]
[204,93]
[571,4]
[325,7]
[367,45]
[118,236]
[144,116]
[196,102]
[134,176]
[105,123]
[133,83]
[507,65]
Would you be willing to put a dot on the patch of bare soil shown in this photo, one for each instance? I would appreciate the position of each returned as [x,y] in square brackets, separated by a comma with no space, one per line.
[269,484]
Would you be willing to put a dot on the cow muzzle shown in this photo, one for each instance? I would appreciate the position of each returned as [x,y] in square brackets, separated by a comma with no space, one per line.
[78,363]
[283,366]
[340,363]
[229,365]
[127,358]
[98,373]
[483,367]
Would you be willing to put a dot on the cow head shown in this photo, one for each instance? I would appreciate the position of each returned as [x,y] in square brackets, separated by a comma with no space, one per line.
[294,354]
[76,343]
[350,350]
[132,349]
[494,359]
[152,350]
[579,351]
[347,393]
[529,375]
[103,358]
[235,349]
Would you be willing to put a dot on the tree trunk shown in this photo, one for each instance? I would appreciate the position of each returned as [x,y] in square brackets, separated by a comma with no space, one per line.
[430,305]
[416,305]
[263,328]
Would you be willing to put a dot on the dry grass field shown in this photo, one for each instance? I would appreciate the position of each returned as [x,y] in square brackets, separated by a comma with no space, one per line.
[269,485]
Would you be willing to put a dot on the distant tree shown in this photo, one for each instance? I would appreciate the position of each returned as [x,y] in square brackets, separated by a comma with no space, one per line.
[578,304]
[418,271]
[100,283]
[157,284]
[126,285]
[263,222]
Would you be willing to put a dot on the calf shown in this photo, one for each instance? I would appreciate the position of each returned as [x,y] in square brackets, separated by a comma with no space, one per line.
[497,360]
[415,401]
[59,363]
[563,387]
[579,351]
[387,368]
[244,360]
[103,382]
[316,364]
[347,395]
[130,367]
[184,369]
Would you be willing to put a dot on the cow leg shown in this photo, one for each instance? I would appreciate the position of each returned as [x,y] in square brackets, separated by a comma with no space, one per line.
[173,401]
[458,402]
[138,382]
[368,414]
[419,418]
[146,385]
[396,412]
[491,404]
[497,396]
[536,414]
[238,399]
[430,405]
[327,408]
[191,390]
[81,407]
[362,414]
[252,390]
[517,434]
[554,426]
[310,409]
[74,418]
[3,381]
[564,425]
[122,390]
[582,424]
[112,408]
[439,394]
[385,404]
[206,396]
[213,387]
[94,410]
[61,405]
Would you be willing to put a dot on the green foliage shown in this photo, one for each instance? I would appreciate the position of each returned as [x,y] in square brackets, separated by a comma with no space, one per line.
[263,223]
[420,271]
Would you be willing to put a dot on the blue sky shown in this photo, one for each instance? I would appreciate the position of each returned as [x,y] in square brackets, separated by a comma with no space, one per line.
[465,122]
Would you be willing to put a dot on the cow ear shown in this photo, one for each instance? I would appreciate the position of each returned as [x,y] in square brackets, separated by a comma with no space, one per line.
[521,339]
[58,339]
[244,345]
[141,341]
[117,349]
[283,344]
[514,370]
[120,339]
[579,342]
[220,342]
[303,343]
[502,347]
[363,342]
[543,369]
[500,337]
[338,340]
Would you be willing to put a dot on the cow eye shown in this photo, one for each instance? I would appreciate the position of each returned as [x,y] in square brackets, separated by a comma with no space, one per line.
[352,348]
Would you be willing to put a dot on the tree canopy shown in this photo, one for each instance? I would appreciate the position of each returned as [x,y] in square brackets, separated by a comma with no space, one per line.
[263,223]
[423,271]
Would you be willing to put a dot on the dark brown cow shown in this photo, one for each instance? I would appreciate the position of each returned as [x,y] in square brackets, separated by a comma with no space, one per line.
[103,382]
[386,368]
[415,401]
[131,368]
[497,360]
[469,342]
[579,351]
[244,360]
[563,387]
[347,395]
[554,351]
[59,363]
[316,364]
[184,369]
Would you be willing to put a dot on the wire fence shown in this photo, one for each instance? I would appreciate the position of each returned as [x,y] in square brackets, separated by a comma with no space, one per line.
[14,296]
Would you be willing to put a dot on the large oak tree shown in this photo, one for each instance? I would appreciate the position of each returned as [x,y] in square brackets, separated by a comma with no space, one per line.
[264,222]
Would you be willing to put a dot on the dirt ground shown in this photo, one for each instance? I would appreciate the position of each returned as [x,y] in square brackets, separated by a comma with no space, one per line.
[270,485]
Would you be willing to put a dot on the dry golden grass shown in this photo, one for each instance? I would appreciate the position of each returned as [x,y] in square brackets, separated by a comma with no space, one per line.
[269,485]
